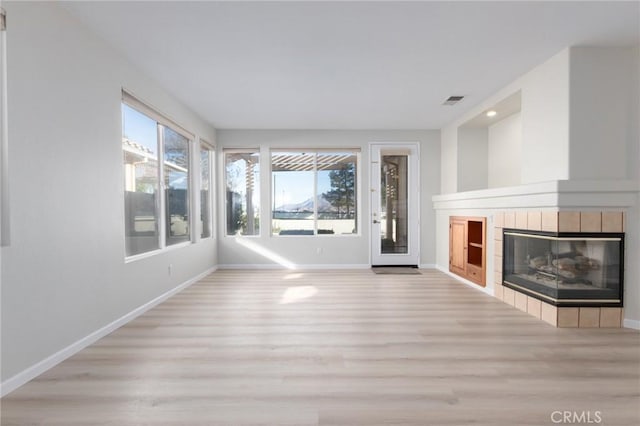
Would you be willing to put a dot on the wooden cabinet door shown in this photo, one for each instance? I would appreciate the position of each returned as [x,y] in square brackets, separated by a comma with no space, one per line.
[457,243]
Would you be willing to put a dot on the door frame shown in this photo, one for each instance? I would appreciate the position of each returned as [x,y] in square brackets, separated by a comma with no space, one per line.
[412,258]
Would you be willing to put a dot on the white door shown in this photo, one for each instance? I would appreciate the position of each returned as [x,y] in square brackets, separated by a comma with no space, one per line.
[395,204]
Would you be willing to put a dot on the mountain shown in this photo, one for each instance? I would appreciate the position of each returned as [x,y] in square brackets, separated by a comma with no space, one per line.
[307,206]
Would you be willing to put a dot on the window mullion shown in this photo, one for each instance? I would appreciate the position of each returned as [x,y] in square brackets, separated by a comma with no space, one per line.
[315,193]
[161,190]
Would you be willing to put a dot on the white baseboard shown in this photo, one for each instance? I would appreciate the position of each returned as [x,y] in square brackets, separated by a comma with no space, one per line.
[34,371]
[276,266]
[629,323]
[486,290]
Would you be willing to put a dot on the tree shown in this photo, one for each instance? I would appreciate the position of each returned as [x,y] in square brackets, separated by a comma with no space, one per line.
[343,190]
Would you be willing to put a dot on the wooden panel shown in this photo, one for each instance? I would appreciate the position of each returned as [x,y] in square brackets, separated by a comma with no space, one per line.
[549,221]
[467,248]
[509,296]
[534,307]
[590,222]
[534,221]
[497,291]
[457,247]
[498,276]
[521,301]
[509,219]
[549,313]
[568,317]
[569,222]
[589,318]
[498,248]
[498,219]
[612,222]
[610,317]
[475,274]
[521,220]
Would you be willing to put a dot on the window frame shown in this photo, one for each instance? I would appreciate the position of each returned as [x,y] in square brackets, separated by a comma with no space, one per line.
[223,168]
[203,144]
[316,152]
[162,122]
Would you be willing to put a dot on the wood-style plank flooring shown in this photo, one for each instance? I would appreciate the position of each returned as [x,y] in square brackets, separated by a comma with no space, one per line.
[337,348]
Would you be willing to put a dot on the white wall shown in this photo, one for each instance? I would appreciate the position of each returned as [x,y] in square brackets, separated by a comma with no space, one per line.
[545,126]
[544,120]
[64,275]
[505,152]
[472,158]
[449,160]
[603,111]
[338,251]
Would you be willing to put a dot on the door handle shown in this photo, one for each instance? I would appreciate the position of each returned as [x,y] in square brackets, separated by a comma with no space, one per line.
[376,221]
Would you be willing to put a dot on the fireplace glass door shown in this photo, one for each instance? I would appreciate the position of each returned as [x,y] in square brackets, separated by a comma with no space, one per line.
[565,269]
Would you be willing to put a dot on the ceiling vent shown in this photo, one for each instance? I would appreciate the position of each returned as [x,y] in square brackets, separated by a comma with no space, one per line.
[452,100]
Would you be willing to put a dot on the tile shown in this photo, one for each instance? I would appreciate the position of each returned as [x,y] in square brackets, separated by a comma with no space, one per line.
[534,221]
[498,219]
[497,234]
[509,296]
[612,222]
[589,318]
[498,248]
[590,222]
[534,307]
[549,313]
[568,221]
[497,264]
[509,219]
[568,317]
[521,301]
[521,220]
[610,317]
[498,277]
[550,221]
[497,291]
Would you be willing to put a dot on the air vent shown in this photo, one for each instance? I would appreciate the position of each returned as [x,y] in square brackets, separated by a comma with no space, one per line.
[452,100]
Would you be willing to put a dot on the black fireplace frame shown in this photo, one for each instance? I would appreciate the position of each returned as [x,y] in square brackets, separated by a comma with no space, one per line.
[566,302]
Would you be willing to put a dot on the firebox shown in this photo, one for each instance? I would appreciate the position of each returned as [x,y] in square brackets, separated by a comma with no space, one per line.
[565,269]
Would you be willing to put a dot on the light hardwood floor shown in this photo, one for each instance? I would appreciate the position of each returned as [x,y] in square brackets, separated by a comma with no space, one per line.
[348,348]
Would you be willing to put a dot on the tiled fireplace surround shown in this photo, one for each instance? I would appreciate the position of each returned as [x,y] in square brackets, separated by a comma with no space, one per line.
[556,221]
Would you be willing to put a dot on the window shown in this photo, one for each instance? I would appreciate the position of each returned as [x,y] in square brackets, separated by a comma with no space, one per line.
[154,218]
[206,190]
[242,177]
[176,184]
[314,193]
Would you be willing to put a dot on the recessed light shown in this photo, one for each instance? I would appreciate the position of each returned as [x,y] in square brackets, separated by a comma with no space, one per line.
[491,113]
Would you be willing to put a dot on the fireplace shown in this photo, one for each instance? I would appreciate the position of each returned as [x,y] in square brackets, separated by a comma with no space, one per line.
[565,269]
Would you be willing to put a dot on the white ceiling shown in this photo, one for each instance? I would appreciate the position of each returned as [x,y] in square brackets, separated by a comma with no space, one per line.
[347,65]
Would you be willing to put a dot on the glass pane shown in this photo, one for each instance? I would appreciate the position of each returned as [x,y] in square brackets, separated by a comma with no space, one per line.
[337,193]
[394,203]
[566,268]
[176,180]
[243,196]
[205,191]
[293,195]
[140,153]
